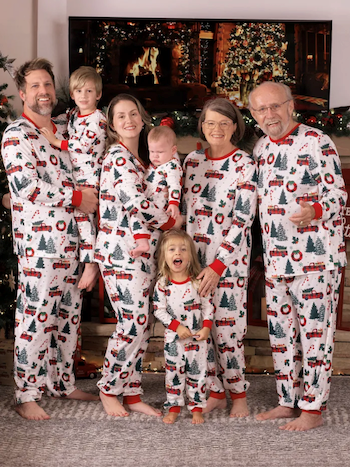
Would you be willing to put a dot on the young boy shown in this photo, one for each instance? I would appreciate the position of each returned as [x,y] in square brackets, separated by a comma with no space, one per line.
[163,177]
[86,145]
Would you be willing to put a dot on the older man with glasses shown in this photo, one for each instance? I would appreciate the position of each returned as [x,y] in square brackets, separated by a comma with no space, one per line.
[301,194]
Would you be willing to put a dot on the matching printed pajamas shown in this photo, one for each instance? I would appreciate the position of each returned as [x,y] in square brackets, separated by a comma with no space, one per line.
[127,279]
[177,303]
[302,263]
[219,202]
[86,146]
[45,237]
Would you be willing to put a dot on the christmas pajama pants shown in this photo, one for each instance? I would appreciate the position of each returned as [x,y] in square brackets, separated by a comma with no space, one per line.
[302,319]
[226,364]
[129,297]
[185,371]
[46,326]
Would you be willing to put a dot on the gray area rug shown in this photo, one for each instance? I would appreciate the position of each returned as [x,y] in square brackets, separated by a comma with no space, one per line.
[80,434]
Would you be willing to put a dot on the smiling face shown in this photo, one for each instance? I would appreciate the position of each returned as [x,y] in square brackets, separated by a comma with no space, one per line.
[275,124]
[86,97]
[127,121]
[161,151]
[177,257]
[39,95]
[223,128]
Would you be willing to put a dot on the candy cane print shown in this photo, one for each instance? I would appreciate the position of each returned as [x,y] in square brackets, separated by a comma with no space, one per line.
[63,240]
[36,212]
[54,279]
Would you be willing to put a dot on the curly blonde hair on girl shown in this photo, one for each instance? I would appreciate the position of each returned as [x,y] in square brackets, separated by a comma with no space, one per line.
[194,267]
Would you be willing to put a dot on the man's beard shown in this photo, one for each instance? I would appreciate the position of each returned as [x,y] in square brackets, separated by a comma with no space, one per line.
[43,109]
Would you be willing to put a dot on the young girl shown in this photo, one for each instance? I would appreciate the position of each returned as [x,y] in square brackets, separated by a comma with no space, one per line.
[188,320]
[127,280]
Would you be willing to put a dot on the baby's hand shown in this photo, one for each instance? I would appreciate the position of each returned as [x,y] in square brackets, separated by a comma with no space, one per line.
[49,135]
[183,332]
[173,210]
[203,334]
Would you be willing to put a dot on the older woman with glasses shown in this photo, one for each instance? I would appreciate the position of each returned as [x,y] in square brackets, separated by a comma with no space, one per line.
[220,204]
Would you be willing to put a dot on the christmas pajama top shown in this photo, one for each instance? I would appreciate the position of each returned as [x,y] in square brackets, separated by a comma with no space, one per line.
[86,145]
[177,303]
[219,202]
[124,206]
[41,186]
[303,165]
[164,183]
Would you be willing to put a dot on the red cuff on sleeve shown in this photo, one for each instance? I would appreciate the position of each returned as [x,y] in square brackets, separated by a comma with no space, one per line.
[77,198]
[176,203]
[207,323]
[64,145]
[218,267]
[174,325]
[137,236]
[318,210]
[168,225]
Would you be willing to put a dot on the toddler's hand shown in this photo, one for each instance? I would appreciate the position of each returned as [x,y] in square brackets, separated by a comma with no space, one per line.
[203,334]
[49,135]
[183,332]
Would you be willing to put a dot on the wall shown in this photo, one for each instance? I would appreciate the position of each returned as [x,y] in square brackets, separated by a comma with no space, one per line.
[51,40]
[19,42]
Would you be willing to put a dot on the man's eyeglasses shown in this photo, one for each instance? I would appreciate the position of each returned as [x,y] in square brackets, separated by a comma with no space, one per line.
[273,108]
[224,125]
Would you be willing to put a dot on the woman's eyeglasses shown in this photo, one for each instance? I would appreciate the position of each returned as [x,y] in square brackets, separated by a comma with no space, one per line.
[224,125]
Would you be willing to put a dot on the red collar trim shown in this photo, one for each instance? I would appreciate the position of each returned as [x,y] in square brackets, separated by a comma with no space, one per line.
[285,136]
[54,128]
[218,158]
[179,283]
[82,116]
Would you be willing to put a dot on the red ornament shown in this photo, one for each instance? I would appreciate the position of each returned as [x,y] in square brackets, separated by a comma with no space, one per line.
[311,120]
[167,121]
[3,100]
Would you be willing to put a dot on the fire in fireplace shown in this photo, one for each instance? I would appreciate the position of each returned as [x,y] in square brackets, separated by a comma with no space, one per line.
[143,66]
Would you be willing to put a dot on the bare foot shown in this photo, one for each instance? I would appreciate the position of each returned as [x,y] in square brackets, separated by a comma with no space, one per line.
[278,412]
[89,277]
[239,408]
[31,411]
[197,418]
[142,247]
[213,403]
[305,422]
[170,418]
[82,396]
[144,408]
[112,406]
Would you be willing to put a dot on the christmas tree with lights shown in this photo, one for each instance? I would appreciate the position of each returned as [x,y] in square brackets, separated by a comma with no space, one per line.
[256,53]
[8,261]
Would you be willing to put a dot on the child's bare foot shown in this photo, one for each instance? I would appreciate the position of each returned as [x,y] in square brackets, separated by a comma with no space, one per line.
[278,412]
[89,277]
[31,411]
[213,403]
[170,418]
[112,406]
[144,408]
[142,247]
[239,408]
[197,418]
[305,422]
[79,395]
